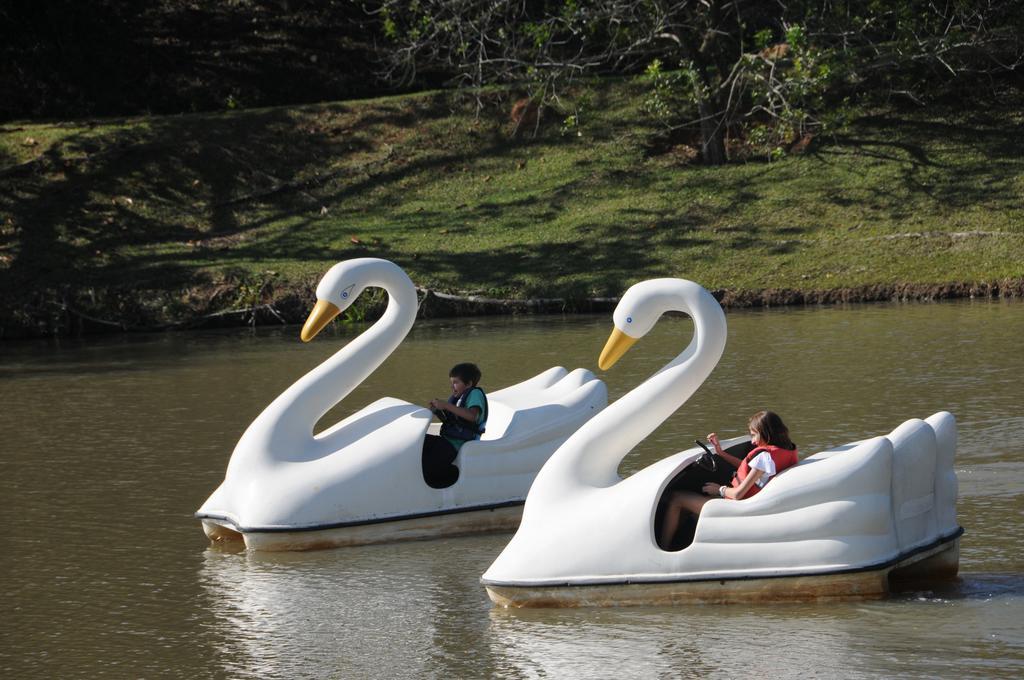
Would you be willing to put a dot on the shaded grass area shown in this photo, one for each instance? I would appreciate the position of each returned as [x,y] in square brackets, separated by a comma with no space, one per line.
[159,220]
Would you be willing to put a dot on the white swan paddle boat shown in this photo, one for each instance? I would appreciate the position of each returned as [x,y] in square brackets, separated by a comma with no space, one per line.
[361,480]
[838,525]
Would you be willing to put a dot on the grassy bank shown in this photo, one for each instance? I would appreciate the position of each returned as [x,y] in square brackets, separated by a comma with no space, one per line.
[163,220]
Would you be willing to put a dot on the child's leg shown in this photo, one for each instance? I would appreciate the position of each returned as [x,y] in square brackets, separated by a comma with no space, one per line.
[679,502]
[438,456]
[694,502]
[673,510]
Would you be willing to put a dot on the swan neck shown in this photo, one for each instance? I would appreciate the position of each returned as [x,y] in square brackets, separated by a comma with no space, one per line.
[289,420]
[592,456]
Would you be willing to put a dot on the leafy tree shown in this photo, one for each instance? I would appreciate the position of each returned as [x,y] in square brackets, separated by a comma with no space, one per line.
[713,65]
[68,58]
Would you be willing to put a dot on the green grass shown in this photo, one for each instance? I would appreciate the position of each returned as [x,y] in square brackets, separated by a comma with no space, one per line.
[200,201]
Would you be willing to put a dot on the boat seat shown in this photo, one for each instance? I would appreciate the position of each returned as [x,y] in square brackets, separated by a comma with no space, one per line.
[498,420]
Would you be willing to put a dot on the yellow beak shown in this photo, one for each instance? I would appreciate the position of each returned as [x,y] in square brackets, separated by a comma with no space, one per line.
[321,315]
[617,345]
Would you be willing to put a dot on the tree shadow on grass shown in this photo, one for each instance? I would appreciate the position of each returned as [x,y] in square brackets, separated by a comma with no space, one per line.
[153,184]
[190,189]
[981,156]
[185,195]
[611,257]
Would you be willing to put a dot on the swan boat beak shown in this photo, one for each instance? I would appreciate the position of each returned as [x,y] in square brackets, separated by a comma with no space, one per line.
[321,315]
[617,345]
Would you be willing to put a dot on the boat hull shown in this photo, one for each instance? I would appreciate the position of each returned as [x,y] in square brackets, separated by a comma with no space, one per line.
[486,520]
[941,561]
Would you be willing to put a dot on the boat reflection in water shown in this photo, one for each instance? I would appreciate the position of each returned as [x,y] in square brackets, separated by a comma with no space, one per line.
[841,639]
[411,609]
[416,609]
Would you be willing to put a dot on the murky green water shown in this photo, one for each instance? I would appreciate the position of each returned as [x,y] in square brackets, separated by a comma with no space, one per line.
[110,444]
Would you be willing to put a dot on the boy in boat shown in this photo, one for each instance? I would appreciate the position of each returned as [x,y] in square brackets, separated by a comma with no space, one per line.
[463,418]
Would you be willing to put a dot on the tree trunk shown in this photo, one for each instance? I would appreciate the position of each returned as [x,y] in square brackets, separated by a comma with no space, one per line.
[712,135]
[711,111]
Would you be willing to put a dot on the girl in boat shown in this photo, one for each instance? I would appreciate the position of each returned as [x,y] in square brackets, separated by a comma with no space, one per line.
[773,452]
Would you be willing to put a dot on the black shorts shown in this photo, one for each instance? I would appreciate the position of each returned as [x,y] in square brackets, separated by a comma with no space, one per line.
[439,470]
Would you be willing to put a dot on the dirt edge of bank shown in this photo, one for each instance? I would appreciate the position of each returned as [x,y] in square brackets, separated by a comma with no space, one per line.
[75,312]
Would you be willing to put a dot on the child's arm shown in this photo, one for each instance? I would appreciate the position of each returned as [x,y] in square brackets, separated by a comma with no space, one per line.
[728,457]
[732,493]
[470,414]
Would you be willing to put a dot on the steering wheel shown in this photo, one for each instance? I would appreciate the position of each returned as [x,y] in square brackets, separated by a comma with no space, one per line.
[707,459]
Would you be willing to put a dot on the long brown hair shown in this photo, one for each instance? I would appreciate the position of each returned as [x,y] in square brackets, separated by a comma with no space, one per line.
[771,430]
